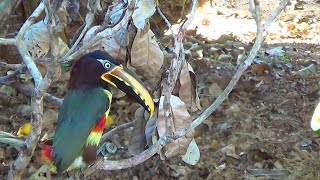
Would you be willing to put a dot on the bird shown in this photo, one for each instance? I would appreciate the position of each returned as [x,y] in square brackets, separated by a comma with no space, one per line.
[86,106]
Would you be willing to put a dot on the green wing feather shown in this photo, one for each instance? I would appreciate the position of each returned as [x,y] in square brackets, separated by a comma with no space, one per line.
[79,113]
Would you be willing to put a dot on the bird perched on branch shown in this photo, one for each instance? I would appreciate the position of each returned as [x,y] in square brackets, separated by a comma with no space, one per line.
[86,105]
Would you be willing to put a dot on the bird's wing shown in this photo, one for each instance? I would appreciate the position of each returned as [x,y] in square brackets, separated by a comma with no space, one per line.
[78,115]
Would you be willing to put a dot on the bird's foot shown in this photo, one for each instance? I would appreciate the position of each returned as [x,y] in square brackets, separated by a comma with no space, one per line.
[106,149]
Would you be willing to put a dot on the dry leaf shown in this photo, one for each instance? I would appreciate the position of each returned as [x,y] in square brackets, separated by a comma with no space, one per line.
[188,90]
[146,54]
[181,119]
[73,7]
[7,90]
[192,155]
[259,68]
[230,150]
[145,9]
[138,139]
[109,44]
[258,155]
[37,40]
[215,90]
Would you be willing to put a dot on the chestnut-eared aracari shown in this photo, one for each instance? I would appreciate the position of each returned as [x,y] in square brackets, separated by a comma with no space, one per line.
[86,105]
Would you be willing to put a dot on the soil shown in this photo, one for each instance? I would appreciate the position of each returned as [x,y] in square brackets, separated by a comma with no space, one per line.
[262,130]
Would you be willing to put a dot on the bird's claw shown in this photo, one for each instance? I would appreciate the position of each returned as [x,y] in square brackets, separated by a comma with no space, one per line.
[107,149]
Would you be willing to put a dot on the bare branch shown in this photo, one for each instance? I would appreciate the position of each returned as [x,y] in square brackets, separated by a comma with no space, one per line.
[9,78]
[100,35]
[175,68]
[88,23]
[130,162]
[27,90]
[7,41]
[10,66]
[41,85]
[31,20]
[274,14]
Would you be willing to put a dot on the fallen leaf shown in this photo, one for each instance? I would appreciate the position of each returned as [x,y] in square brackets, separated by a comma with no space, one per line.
[7,90]
[270,173]
[146,54]
[230,150]
[277,51]
[192,155]
[24,130]
[188,89]
[258,155]
[215,90]
[181,119]
[259,68]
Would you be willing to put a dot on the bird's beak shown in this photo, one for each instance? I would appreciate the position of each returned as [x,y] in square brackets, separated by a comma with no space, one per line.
[121,78]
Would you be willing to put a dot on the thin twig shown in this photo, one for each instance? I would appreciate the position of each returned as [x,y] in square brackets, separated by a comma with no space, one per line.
[27,90]
[115,130]
[7,41]
[105,33]
[88,23]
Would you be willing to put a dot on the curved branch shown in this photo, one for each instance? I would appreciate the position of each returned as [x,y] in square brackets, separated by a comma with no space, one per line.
[115,130]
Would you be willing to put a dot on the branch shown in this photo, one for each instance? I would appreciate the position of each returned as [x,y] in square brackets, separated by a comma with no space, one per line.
[10,77]
[88,23]
[115,130]
[7,41]
[130,162]
[175,68]
[100,35]
[10,66]
[27,90]
[41,85]
[31,20]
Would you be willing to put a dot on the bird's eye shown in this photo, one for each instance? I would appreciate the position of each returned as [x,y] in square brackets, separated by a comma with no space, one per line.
[107,65]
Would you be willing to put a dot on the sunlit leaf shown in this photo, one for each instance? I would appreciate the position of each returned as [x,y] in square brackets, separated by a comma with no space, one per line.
[192,155]
[145,9]
[181,119]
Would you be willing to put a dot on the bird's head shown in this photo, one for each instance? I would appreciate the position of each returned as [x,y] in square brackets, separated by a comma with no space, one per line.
[99,69]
